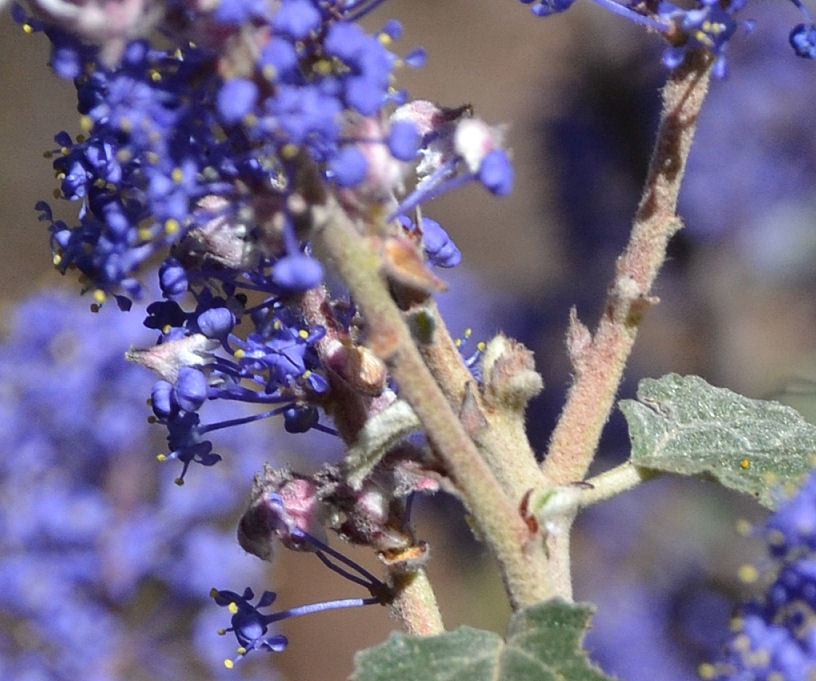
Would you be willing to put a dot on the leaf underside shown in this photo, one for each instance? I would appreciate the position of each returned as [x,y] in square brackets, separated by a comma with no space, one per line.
[681,424]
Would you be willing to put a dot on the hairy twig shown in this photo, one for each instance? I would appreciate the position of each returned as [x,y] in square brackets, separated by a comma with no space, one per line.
[599,360]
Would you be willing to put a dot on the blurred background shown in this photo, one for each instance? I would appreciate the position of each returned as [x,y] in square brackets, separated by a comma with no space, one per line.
[111,537]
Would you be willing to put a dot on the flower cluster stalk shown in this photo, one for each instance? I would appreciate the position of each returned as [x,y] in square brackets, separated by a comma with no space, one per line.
[523,563]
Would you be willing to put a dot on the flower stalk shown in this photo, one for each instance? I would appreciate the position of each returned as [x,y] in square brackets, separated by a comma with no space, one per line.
[523,562]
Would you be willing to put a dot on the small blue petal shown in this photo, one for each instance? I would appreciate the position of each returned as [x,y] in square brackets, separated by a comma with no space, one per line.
[803,40]
[236,99]
[191,389]
[404,140]
[297,272]
[296,18]
[348,167]
[496,172]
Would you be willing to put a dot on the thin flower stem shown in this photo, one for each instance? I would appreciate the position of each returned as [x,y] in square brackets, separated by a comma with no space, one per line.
[338,556]
[523,563]
[342,572]
[320,607]
[599,360]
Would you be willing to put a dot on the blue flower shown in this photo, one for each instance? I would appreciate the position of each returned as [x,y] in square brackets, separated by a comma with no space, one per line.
[296,18]
[803,40]
[776,635]
[248,623]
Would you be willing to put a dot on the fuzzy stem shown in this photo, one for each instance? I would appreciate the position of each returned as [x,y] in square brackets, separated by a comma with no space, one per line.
[506,449]
[566,500]
[599,366]
[599,360]
[523,562]
[415,603]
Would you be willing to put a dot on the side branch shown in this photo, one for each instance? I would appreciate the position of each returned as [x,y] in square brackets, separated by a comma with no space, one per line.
[599,360]
[521,558]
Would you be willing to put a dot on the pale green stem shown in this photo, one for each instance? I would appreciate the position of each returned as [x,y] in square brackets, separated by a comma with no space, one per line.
[554,502]
[521,558]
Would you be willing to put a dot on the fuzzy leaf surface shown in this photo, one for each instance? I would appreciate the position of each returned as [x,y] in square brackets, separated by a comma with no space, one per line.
[681,424]
[543,644]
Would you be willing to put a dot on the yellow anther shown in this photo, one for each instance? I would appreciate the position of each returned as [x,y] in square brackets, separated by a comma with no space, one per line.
[86,123]
[221,632]
[99,296]
[152,157]
[171,226]
[241,650]
[303,333]
[239,353]
[56,259]
[155,76]
[28,28]
[161,457]
[289,151]
[145,234]
[706,671]
[232,607]
[468,332]
[744,527]
[269,72]
[306,374]
[276,324]
[480,346]
[166,328]
[747,573]
[125,124]
[384,39]
[322,67]
[457,342]
[60,176]
[775,538]
[229,664]
[745,463]
[177,175]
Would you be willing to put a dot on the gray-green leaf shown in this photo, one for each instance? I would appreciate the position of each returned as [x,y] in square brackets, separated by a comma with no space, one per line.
[681,424]
[543,644]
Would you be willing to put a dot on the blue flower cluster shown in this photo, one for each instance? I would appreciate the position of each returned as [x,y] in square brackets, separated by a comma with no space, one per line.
[776,636]
[217,143]
[707,24]
[92,539]
[199,358]
[210,152]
